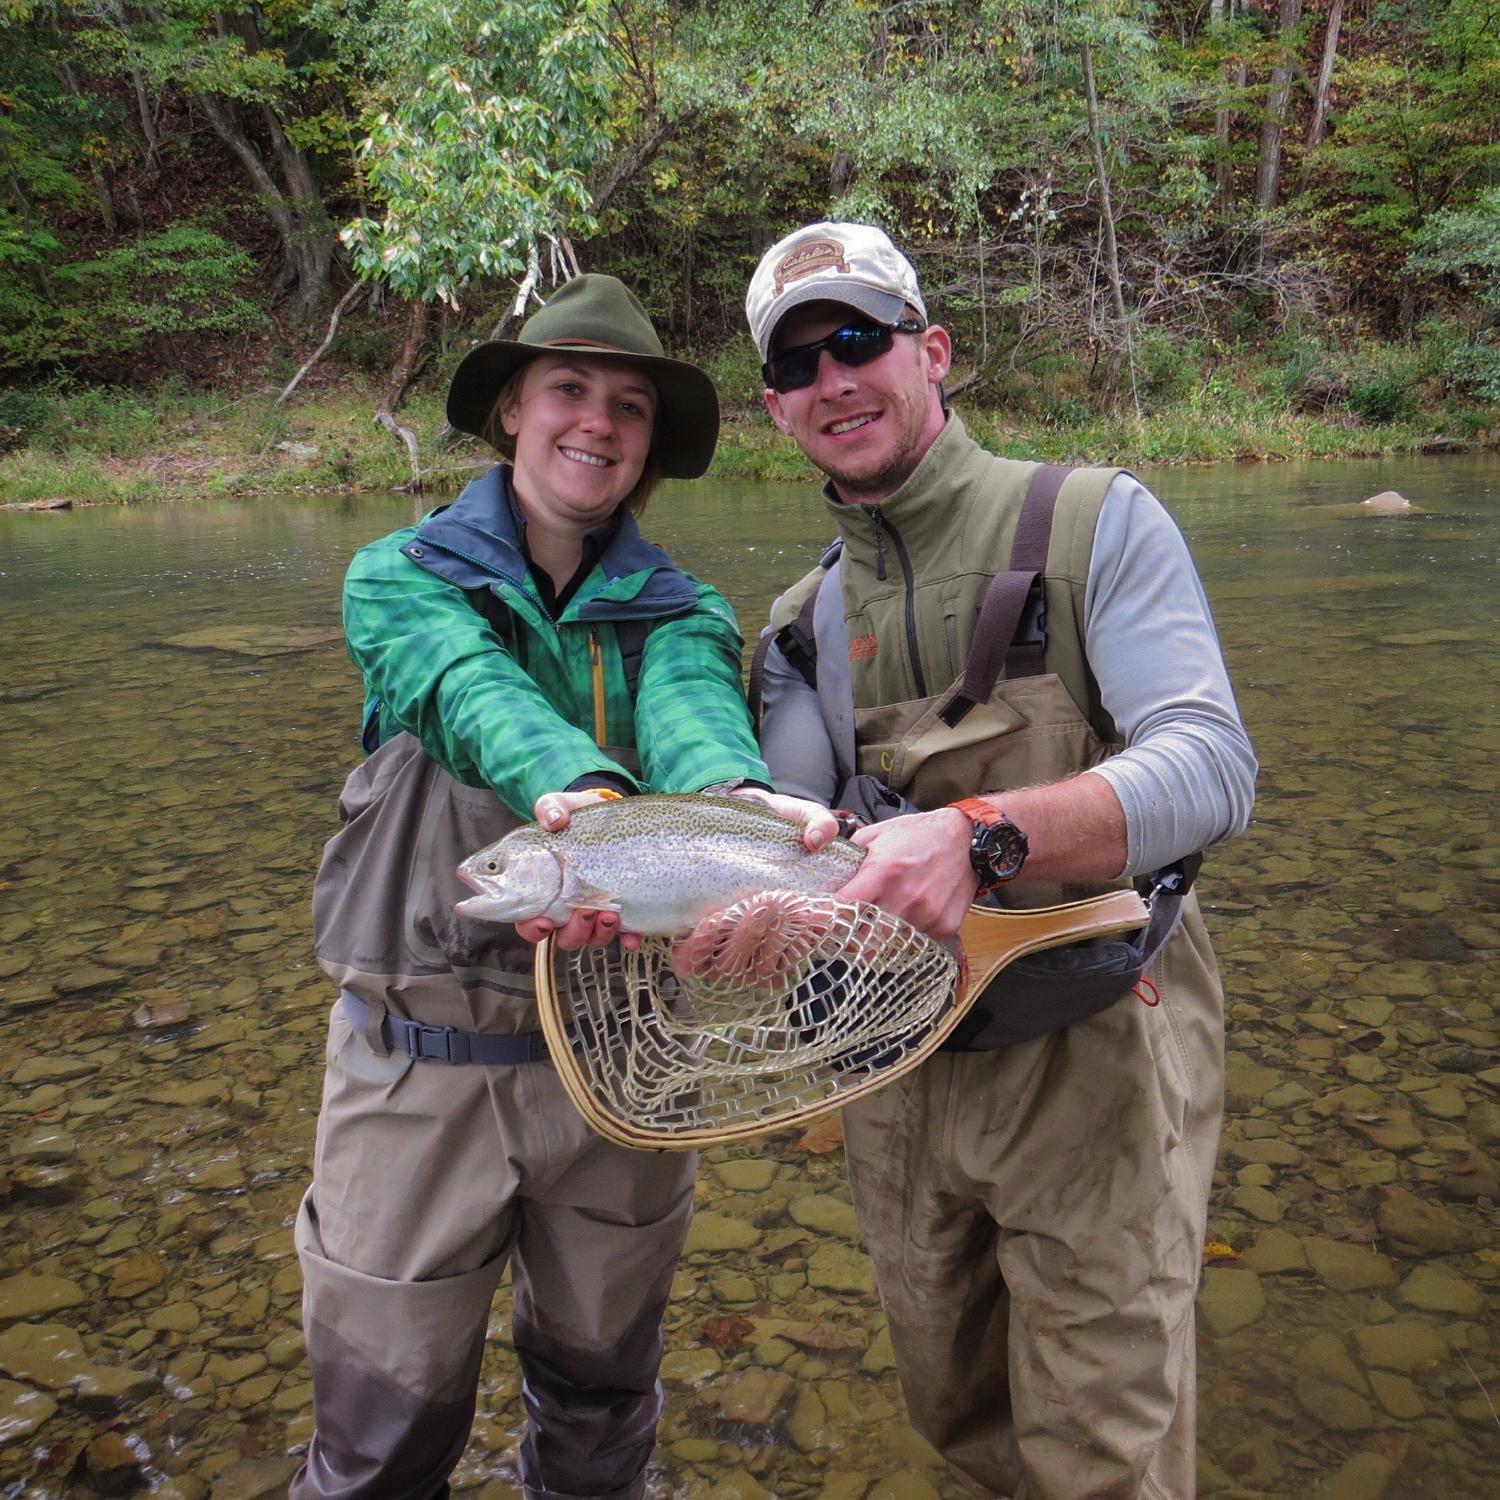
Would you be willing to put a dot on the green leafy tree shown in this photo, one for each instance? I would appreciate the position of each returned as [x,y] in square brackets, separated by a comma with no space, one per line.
[1419,133]
[258,74]
[134,303]
[483,123]
[1462,246]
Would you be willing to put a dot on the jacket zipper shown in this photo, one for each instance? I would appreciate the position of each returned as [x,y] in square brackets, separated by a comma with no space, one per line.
[596,682]
[883,529]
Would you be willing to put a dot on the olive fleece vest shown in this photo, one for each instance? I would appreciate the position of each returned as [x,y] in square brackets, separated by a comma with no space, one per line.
[915,569]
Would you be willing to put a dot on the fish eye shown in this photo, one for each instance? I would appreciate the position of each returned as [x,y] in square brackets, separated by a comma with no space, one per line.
[492,867]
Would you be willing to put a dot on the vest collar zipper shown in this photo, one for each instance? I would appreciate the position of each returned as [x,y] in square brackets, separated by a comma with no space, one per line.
[884,529]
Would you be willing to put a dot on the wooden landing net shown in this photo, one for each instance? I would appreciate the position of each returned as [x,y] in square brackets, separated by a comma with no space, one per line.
[778,1009]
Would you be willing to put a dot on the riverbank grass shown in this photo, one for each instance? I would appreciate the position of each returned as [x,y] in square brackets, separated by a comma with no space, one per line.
[103,446]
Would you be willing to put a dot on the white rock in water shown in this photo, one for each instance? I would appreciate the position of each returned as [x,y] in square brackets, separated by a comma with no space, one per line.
[1387,501]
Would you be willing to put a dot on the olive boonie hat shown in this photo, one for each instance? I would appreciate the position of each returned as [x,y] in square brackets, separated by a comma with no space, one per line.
[601,317]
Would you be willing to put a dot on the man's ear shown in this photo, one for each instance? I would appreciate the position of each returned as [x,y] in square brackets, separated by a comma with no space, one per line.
[773,405]
[937,352]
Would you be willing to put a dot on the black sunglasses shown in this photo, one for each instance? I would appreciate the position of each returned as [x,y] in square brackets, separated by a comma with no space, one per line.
[852,345]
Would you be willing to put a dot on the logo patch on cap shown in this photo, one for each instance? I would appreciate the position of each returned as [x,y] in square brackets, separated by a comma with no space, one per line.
[808,260]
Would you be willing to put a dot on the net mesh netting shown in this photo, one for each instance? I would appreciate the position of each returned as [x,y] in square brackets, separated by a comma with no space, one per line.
[776,1007]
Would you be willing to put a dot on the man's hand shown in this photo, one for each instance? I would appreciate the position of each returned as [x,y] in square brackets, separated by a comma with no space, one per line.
[917,867]
[819,826]
[584,929]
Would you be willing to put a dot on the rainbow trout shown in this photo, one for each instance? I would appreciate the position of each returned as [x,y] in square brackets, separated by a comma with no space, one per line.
[663,862]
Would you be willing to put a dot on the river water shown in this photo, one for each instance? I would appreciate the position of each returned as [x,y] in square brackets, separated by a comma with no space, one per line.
[177,716]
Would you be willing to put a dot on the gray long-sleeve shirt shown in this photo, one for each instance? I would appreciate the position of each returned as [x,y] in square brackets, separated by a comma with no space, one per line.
[1186,778]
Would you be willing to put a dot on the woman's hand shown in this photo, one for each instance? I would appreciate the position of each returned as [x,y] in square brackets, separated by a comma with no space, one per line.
[584,929]
[819,826]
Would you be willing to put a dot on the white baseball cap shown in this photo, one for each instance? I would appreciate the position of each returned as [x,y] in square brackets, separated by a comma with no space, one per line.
[851,263]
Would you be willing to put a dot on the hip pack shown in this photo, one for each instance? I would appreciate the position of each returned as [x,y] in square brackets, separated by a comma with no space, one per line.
[1047,991]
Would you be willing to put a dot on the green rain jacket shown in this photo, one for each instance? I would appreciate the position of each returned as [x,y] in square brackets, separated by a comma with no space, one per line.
[455,646]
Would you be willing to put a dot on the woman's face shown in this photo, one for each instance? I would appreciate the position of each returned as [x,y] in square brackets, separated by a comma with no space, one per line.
[582,429]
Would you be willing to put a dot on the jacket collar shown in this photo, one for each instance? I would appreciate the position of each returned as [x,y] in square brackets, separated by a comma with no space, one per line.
[926,508]
[475,542]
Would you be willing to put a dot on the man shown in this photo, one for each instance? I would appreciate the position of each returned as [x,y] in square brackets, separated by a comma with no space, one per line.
[1035,1210]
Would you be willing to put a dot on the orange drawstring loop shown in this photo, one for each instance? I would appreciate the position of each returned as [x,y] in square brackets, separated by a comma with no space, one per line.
[1155,997]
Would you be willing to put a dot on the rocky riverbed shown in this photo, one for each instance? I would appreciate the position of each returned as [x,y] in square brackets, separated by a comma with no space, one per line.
[148,1310]
[162,811]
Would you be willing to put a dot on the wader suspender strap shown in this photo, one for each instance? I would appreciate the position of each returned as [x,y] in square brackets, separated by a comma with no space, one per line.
[1011,632]
[798,645]
[798,642]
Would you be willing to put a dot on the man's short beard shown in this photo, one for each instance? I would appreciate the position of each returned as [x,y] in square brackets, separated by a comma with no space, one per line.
[885,482]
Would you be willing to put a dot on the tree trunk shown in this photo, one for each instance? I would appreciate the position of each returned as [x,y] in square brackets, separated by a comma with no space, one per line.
[1107,227]
[839,171]
[1325,75]
[1273,128]
[138,86]
[419,314]
[345,303]
[1234,77]
[306,238]
[148,121]
[315,248]
[633,160]
[101,172]
[1232,84]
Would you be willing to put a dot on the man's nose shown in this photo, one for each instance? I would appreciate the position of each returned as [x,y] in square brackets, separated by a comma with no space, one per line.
[832,378]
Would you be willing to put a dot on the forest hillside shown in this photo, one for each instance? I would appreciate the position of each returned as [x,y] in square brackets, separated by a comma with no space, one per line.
[1158,231]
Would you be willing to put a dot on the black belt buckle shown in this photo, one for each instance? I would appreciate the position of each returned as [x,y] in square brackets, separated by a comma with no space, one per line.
[428,1043]
[1031,628]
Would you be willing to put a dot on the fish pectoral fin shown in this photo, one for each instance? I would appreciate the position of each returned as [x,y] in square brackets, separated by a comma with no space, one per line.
[584,897]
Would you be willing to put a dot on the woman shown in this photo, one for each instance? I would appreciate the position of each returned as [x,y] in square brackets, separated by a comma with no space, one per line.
[523,650]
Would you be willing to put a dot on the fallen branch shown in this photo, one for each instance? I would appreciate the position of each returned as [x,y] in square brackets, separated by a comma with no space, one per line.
[407,436]
[513,314]
[345,303]
[445,468]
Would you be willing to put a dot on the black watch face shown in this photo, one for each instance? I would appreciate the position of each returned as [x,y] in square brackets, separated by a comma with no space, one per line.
[1002,850]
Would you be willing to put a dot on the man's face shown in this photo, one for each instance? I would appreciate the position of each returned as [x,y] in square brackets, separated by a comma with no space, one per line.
[866,428]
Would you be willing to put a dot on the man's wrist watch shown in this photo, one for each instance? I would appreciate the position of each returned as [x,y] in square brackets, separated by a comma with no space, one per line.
[998,848]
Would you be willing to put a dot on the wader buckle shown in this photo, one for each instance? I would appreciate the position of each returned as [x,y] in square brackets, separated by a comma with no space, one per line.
[439,1043]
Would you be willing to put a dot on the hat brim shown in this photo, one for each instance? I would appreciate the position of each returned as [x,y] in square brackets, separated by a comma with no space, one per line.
[687,417]
[884,307]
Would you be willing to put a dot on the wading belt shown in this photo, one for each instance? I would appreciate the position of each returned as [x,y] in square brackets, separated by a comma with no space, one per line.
[445,1044]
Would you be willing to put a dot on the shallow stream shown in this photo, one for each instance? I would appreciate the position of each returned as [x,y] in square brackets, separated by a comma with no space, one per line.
[176,715]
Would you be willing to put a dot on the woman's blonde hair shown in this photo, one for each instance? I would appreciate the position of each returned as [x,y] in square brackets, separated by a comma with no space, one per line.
[500,440]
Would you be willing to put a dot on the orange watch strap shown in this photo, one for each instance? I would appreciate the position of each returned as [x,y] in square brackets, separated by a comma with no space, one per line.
[977,810]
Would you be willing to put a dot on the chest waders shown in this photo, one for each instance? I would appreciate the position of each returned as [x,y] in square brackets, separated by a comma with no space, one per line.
[384,927]
[429,1180]
[1034,1211]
